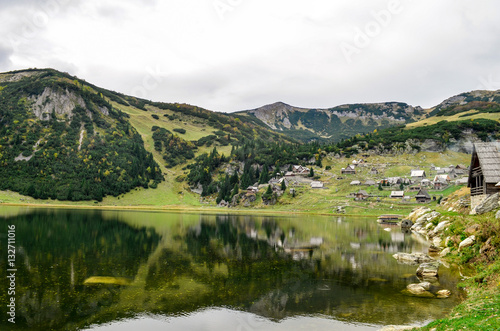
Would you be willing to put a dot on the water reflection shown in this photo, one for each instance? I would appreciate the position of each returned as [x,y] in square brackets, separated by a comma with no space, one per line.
[81,268]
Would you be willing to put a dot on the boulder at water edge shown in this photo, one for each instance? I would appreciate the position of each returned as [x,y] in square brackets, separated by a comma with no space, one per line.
[426,270]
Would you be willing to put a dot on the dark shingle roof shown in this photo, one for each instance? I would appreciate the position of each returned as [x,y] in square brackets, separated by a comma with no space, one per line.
[422,194]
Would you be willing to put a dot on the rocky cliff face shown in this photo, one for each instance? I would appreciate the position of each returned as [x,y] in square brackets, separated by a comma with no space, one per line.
[61,102]
[334,123]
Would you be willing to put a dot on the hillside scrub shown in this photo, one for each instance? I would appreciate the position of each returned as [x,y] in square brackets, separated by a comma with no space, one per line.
[480,311]
[441,132]
[85,153]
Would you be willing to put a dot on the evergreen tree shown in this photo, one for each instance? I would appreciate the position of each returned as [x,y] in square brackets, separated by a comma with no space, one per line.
[235,191]
[234,178]
[283,185]
[264,175]
[311,172]
[268,194]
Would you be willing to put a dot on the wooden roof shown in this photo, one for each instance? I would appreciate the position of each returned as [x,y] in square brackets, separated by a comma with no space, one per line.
[422,194]
[362,192]
[489,159]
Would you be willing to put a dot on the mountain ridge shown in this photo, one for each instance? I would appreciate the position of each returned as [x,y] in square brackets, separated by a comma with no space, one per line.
[334,123]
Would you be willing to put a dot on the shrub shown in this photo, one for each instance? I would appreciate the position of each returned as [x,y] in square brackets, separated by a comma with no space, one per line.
[181,131]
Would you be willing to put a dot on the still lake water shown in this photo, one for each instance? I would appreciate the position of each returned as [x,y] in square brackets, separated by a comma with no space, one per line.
[129,270]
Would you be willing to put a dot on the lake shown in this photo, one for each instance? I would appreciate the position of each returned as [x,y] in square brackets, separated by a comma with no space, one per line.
[127,270]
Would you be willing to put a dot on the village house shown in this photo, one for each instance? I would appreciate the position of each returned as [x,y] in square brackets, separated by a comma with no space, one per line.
[484,172]
[443,178]
[441,181]
[423,197]
[397,194]
[361,195]
[394,181]
[453,173]
[355,182]
[414,188]
[278,181]
[317,184]
[441,171]
[374,171]
[460,169]
[252,189]
[370,182]
[349,170]
[300,170]
[418,174]
[425,182]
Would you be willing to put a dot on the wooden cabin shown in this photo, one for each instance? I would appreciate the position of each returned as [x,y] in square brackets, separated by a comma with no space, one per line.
[484,170]
[349,170]
[361,195]
[423,197]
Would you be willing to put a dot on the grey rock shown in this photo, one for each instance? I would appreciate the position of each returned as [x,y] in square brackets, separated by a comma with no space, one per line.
[428,270]
[443,294]
[488,204]
[416,289]
[467,242]
[441,226]
[445,252]
[412,259]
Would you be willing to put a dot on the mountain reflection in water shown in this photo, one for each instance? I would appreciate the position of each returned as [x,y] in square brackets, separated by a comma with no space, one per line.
[80,269]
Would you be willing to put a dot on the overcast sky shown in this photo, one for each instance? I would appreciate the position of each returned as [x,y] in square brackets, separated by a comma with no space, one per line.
[228,55]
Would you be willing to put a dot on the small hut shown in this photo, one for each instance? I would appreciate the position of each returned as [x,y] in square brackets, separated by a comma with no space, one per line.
[370,182]
[317,184]
[397,194]
[349,170]
[361,195]
[423,197]
[484,170]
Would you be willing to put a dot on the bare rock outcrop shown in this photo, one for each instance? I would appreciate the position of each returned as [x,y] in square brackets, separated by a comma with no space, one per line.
[61,102]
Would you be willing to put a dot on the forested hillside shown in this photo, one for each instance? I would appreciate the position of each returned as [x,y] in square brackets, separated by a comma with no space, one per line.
[61,139]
